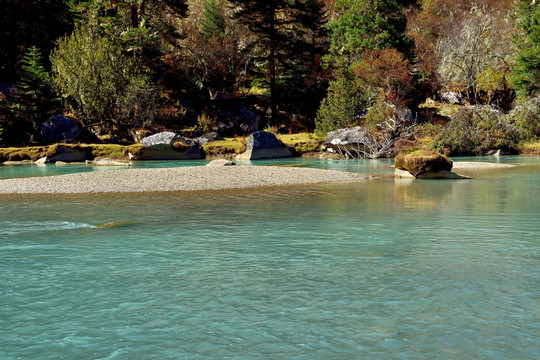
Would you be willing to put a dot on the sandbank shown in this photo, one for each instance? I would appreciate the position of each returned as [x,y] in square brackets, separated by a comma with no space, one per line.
[477,165]
[193,178]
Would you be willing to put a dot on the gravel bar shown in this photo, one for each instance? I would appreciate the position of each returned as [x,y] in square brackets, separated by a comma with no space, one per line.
[476,165]
[193,178]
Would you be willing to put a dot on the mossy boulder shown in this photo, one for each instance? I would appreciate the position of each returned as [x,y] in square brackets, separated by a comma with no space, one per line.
[421,162]
[167,146]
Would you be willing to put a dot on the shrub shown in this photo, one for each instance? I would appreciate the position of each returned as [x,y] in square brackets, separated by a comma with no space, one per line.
[100,82]
[206,123]
[475,130]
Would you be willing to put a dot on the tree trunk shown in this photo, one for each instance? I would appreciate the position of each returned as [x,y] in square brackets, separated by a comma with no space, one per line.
[272,64]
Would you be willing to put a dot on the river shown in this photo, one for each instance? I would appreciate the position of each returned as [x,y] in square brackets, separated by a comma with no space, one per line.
[383,269]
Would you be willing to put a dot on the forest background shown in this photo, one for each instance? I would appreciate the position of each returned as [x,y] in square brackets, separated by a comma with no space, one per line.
[469,70]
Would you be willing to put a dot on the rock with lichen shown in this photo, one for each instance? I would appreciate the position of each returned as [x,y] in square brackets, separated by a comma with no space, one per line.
[167,146]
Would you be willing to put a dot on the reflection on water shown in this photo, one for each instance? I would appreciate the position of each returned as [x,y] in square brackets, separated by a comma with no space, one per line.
[379,269]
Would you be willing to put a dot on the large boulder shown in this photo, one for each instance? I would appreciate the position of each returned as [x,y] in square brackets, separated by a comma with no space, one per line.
[168,146]
[361,141]
[264,145]
[60,128]
[64,154]
[424,164]
[237,119]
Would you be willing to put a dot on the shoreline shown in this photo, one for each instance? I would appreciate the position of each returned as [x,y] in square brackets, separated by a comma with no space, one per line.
[193,178]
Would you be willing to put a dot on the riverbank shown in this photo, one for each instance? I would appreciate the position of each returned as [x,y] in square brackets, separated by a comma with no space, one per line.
[174,179]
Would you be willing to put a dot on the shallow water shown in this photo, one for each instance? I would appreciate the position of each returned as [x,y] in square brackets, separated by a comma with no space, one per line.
[374,270]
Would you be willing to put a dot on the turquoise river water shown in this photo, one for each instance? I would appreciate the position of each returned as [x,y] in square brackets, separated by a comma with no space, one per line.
[383,269]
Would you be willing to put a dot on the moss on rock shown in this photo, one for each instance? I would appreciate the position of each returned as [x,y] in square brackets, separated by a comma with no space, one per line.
[423,161]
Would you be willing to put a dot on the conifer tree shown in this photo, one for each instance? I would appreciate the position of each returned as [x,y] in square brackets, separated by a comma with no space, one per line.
[526,73]
[212,23]
[34,98]
[270,21]
[368,24]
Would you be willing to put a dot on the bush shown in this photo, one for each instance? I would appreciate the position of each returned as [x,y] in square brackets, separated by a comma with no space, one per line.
[473,131]
[206,123]
[101,83]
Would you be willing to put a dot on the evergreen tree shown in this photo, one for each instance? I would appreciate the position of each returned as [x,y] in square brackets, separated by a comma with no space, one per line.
[270,20]
[305,80]
[341,105]
[212,23]
[26,23]
[526,73]
[368,24]
[34,99]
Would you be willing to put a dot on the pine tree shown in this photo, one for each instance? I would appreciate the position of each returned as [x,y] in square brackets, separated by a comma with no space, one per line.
[212,23]
[34,99]
[526,73]
[270,20]
[368,24]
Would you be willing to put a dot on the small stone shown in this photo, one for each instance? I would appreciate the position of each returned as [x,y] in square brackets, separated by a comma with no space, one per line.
[221,162]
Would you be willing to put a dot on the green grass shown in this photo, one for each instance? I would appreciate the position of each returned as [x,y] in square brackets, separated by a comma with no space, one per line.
[529,148]
[301,143]
[225,147]
[92,151]
[26,153]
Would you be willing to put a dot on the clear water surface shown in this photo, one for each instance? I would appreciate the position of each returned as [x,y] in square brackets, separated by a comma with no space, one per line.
[384,269]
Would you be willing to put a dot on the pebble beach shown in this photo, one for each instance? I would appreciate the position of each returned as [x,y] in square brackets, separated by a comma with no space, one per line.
[195,178]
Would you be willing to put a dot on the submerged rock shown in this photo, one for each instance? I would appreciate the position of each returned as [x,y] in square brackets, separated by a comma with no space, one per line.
[21,162]
[264,145]
[110,162]
[221,162]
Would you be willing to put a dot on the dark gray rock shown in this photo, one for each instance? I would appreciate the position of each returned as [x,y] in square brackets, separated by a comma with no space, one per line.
[237,119]
[60,128]
[264,145]
[67,155]
[168,146]
[263,140]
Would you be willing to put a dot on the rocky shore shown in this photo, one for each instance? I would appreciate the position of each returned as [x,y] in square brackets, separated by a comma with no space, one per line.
[174,179]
